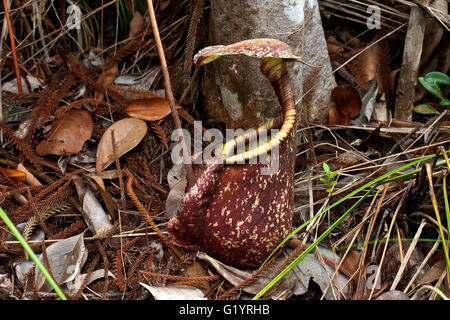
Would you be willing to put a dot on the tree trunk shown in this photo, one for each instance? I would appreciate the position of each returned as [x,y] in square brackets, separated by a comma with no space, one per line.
[233,90]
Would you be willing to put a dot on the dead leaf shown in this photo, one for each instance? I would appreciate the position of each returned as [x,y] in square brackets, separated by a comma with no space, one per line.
[150,109]
[29,177]
[97,219]
[76,284]
[13,173]
[434,273]
[164,4]
[294,282]
[6,285]
[364,67]
[106,79]
[336,117]
[195,269]
[23,269]
[34,83]
[393,295]
[350,263]
[347,100]
[136,24]
[66,258]
[67,134]
[177,183]
[108,200]
[128,133]
[175,292]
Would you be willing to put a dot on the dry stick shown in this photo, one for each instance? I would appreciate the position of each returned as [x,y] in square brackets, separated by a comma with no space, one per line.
[356,233]
[91,267]
[402,268]
[438,218]
[424,262]
[410,64]
[169,93]
[119,171]
[394,218]
[13,47]
[101,249]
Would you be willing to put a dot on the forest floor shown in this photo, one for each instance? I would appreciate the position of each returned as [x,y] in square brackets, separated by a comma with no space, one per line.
[371,206]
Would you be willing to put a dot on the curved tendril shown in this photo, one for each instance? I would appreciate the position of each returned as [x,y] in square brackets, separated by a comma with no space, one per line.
[275,70]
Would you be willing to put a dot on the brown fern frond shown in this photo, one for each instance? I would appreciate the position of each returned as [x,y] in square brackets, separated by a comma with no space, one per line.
[54,93]
[21,145]
[56,203]
[160,133]
[131,273]
[148,218]
[111,93]
[190,41]
[180,278]
[138,43]
[17,99]
[168,126]
[91,268]
[134,93]
[66,108]
[75,228]
[47,191]
[117,265]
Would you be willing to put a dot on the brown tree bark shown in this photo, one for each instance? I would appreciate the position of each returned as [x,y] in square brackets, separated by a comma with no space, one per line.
[233,90]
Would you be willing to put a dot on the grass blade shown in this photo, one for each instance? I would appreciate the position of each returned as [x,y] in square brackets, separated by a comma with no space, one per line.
[30,252]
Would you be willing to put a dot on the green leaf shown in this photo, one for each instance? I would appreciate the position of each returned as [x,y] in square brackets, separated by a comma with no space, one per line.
[332,175]
[437,77]
[323,180]
[328,190]
[445,102]
[425,109]
[326,168]
[333,183]
[433,88]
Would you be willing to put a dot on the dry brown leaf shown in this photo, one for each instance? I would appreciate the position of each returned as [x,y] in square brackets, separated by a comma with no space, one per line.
[106,79]
[434,273]
[334,49]
[364,67]
[29,177]
[128,133]
[13,173]
[67,134]
[350,263]
[336,117]
[150,109]
[136,24]
[347,99]
[196,270]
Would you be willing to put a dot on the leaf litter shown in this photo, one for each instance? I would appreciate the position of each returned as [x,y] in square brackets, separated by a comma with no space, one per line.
[62,98]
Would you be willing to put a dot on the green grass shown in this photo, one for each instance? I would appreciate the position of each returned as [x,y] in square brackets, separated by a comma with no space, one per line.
[383,179]
[32,255]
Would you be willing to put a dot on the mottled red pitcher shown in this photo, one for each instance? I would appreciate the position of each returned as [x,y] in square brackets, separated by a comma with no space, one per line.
[234,212]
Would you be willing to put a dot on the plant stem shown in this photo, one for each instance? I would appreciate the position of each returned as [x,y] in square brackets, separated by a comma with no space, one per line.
[30,252]
[169,93]
[438,217]
[13,47]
